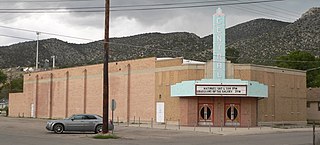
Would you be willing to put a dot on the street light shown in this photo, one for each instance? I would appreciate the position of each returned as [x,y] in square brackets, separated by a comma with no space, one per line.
[37,53]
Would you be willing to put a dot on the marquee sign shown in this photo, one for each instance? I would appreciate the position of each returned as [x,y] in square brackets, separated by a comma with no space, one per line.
[221,90]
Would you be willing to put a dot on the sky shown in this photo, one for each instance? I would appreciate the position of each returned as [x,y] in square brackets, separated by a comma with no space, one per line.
[89,26]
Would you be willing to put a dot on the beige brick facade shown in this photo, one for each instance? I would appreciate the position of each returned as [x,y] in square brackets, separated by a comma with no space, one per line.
[313,105]
[287,92]
[137,85]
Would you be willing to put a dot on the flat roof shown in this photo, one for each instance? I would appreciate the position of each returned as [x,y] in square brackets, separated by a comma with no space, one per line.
[185,61]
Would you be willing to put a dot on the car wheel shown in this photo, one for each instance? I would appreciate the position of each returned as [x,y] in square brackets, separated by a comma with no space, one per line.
[98,128]
[58,128]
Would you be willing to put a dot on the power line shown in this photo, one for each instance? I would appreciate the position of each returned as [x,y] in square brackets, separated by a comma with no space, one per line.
[33,31]
[169,4]
[275,10]
[285,10]
[46,1]
[66,10]
[260,12]
[280,10]
[121,6]
[16,37]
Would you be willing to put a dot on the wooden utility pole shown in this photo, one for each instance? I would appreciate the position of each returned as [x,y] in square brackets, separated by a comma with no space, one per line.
[105,70]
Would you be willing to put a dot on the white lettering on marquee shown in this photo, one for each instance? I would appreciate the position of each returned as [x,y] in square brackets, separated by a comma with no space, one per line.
[221,90]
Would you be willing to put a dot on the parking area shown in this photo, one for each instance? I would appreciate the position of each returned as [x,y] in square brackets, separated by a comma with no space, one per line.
[32,132]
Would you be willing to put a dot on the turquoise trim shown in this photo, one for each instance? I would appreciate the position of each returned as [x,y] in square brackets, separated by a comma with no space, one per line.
[187,88]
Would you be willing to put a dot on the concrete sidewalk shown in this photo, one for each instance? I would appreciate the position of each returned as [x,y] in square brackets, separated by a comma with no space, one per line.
[221,130]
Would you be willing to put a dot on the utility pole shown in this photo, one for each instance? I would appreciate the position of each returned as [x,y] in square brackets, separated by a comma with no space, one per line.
[53,61]
[105,70]
[37,53]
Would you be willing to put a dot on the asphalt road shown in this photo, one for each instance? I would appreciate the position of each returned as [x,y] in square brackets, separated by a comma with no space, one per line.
[18,131]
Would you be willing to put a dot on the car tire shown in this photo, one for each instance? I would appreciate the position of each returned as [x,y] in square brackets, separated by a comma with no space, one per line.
[98,128]
[58,128]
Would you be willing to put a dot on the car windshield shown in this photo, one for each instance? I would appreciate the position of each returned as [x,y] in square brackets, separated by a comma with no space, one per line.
[68,118]
[71,117]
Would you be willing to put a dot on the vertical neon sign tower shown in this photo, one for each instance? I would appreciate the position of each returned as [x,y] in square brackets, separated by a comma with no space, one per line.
[219,42]
[191,88]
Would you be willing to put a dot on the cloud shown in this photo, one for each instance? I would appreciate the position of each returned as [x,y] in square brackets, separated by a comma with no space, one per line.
[125,23]
[53,24]
[124,26]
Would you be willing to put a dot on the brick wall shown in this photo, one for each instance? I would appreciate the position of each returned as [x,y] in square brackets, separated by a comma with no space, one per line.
[63,92]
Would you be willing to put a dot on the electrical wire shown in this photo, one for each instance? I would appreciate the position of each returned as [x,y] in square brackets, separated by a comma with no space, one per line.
[3,35]
[65,10]
[41,1]
[259,12]
[282,9]
[42,32]
[117,6]
[279,10]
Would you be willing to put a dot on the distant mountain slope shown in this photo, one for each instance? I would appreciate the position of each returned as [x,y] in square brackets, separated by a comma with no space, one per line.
[304,34]
[256,41]
[250,29]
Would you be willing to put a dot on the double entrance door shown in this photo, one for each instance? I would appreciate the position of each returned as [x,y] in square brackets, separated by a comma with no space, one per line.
[205,114]
[231,114]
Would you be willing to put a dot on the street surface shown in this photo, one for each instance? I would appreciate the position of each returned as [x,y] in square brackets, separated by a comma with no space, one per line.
[22,131]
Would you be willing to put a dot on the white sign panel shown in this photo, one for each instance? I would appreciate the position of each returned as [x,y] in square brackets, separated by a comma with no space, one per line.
[32,111]
[160,112]
[221,90]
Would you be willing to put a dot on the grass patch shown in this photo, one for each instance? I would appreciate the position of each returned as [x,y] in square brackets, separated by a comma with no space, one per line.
[106,136]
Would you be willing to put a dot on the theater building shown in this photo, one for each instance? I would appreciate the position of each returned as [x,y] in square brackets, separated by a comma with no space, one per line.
[170,89]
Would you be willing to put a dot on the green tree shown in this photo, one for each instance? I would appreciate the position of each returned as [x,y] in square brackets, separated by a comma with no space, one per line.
[303,61]
[232,54]
[297,60]
[12,86]
[16,85]
[3,78]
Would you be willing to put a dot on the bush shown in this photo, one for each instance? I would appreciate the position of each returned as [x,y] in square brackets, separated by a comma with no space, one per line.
[106,136]
[6,109]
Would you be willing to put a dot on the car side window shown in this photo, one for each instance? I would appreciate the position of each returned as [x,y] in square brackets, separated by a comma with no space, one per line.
[78,117]
[90,117]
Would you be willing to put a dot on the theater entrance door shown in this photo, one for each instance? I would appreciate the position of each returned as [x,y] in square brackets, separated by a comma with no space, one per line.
[205,114]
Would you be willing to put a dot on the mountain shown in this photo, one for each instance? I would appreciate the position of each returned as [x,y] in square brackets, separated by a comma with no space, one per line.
[303,34]
[256,41]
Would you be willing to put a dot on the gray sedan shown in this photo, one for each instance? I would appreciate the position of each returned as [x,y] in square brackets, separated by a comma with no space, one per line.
[78,122]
